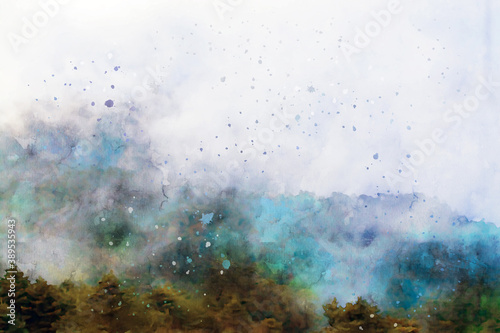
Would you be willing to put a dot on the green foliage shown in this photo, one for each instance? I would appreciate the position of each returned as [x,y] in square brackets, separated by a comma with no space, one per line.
[239,300]
[46,306]
[22,298]
[242,293]
[107,307]
[361,316]
[38,305]
[471,307]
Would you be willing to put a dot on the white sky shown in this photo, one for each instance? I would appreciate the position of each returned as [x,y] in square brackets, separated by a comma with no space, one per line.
[202,69]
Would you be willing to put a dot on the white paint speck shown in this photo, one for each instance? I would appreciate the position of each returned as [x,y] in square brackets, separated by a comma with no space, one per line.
[111,243]
[130,210]
[208,244]
[174,263]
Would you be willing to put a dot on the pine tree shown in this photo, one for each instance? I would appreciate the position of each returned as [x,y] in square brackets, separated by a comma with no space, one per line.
[107,306]
[233,317]
[45,307]
[268,325]
[361,316]
[22,300]
[100,309]
[169,303]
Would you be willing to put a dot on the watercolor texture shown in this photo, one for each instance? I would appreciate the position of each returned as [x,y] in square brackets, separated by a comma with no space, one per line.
[249,166]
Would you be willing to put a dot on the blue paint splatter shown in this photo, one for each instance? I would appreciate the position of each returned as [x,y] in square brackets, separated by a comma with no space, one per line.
[206,218]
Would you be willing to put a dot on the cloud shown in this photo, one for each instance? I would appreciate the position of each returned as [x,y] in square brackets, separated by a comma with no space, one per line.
[263,97]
